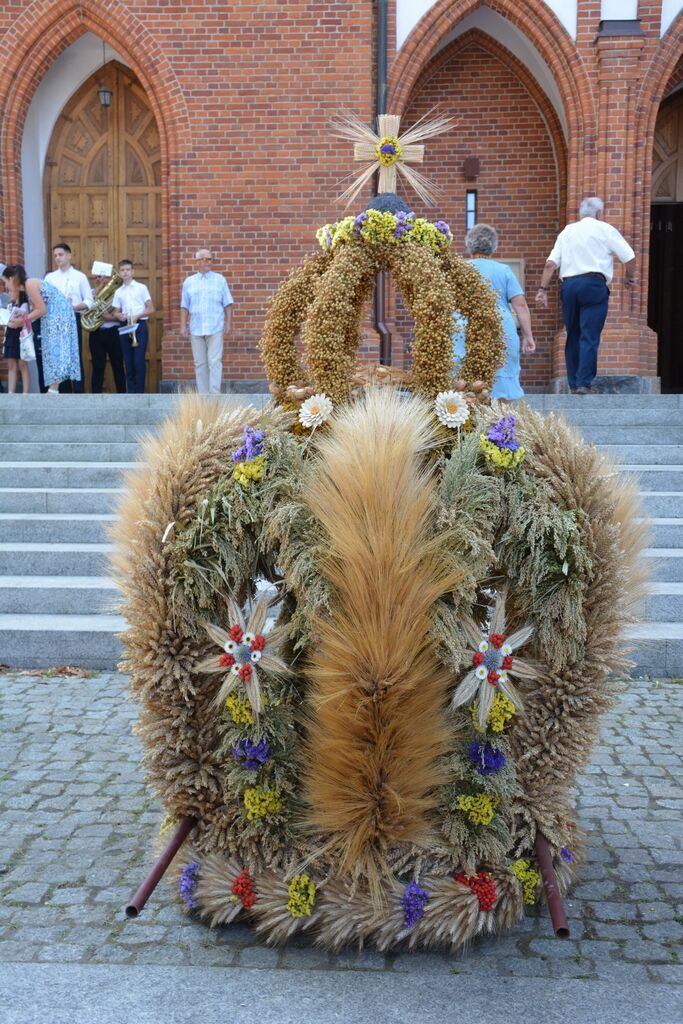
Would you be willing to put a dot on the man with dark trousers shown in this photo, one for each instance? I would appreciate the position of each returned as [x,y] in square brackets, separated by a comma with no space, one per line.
[105,343]
[584,255]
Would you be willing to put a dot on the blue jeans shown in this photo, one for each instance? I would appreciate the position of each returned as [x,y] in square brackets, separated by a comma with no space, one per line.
[584,306]
[134,358]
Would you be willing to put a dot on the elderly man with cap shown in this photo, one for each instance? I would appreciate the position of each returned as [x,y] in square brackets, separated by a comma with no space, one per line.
[206,317]
[584,255]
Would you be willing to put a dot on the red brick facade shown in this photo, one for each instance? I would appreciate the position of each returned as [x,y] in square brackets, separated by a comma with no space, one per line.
[242,94]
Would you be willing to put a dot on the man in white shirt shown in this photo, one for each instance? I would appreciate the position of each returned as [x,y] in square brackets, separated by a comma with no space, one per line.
[584,255]
[207,304]
[75,286]
[132,304]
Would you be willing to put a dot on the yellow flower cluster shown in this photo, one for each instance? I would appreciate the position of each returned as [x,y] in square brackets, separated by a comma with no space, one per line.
[379,228]
[387,159]
[500,458]
[240,709]
[480,808]
[260,801]
[529,878]
[252,470]
[301,892]
[501,712]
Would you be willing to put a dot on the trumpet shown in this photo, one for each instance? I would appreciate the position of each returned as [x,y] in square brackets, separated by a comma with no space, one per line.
[134,334]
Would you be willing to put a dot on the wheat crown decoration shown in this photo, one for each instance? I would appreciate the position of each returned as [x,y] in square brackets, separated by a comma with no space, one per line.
[373,624]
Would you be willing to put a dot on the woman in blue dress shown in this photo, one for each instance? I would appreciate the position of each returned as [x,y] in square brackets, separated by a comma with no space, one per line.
[481,243]
[59,337]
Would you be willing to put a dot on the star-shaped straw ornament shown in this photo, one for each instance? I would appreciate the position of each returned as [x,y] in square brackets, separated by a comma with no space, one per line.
[493,663]
[246,648]
[388,152]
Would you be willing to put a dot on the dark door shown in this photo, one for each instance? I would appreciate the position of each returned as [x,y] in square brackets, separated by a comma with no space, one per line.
[665,308]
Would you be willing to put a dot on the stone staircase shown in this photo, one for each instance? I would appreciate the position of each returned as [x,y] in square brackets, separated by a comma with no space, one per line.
[61,466]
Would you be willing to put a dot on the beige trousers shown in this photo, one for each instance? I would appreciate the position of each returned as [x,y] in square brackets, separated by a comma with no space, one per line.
[207,351]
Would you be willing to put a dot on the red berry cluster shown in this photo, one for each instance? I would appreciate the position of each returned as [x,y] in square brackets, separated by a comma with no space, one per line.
[245,673]
[243,888]
[507,662]
[226,660]
[258,643]
[497,639]
[483,887]
[493,677]
[478,659]
[236,634]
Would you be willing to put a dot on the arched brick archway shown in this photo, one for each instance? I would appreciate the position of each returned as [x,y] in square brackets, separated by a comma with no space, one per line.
[35,40]
[542,27]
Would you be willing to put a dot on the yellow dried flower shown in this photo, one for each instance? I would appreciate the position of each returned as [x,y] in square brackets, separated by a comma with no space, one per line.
[259,801]
[480,808]
[501,712]
[301,892]
[528,876]
[240,709]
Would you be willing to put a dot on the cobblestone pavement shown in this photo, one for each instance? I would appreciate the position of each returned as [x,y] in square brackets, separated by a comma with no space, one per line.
[77,823]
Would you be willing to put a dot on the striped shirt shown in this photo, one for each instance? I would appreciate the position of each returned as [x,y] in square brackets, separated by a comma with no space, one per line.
[205,297]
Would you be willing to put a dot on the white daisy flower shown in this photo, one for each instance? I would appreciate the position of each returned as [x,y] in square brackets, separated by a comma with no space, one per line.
[315,410]
[255,656]
[502,677]
[481,672]
[229,646]
[248,638]
[451,409]
[506,649]
[484,646]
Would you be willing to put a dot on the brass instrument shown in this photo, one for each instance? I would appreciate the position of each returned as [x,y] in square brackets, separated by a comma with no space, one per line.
[92,319]
[133,334]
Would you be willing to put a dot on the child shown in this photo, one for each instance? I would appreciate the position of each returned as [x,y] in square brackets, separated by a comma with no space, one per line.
[132,305]
[12,348]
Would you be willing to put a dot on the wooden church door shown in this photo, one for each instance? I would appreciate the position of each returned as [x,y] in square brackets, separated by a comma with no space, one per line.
[103,191]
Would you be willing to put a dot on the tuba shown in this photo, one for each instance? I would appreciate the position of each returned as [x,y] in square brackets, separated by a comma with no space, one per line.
[93,318]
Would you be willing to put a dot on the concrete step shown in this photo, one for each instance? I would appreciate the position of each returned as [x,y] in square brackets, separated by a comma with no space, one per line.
[47,451]
[54,559]
[665,602]
[654,503]
[64,474]
[42,641]
[55,528]
[97,500]
[100,409]
[645,454]
[658,648]
[666,564]
[650,478]
[665,532]
[75,433]
[626,434]
[58,595]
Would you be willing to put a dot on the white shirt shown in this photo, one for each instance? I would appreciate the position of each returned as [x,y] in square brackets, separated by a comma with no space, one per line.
[72,283]
[588,246]
[131,297]
[205,297]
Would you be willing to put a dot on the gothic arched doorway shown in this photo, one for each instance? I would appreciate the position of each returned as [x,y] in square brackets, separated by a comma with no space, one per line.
[103,188]
[665,313]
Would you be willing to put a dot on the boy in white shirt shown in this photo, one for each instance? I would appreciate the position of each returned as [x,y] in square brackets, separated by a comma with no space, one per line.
[75,286]
[133,305]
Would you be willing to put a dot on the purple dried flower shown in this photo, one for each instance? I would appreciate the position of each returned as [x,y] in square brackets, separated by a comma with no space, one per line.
[404,223]
[387,147]
[566,855]
[413,902]
[328,238]
[443,227]
[502,433]
[251,756]
[253,445]
[487,758]
[188,883]
[359,221]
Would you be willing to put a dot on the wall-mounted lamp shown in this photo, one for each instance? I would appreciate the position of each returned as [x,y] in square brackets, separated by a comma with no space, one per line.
[104,93]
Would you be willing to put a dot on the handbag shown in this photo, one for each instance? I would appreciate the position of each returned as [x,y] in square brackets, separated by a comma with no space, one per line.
[27,349]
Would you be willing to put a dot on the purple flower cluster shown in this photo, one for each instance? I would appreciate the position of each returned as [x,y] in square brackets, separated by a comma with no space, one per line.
[388,147]
[404,223]
[188,883]
[359,221]
[253,445]
[502,433]
[251,756]
[566,855]
[413,902]
[486,757]
[443,227]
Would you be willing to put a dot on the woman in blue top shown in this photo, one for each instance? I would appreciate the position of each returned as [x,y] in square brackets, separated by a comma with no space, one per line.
[59,337]
[481,243]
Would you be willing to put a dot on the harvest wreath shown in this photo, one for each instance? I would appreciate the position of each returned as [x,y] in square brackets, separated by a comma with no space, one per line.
[372,633]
